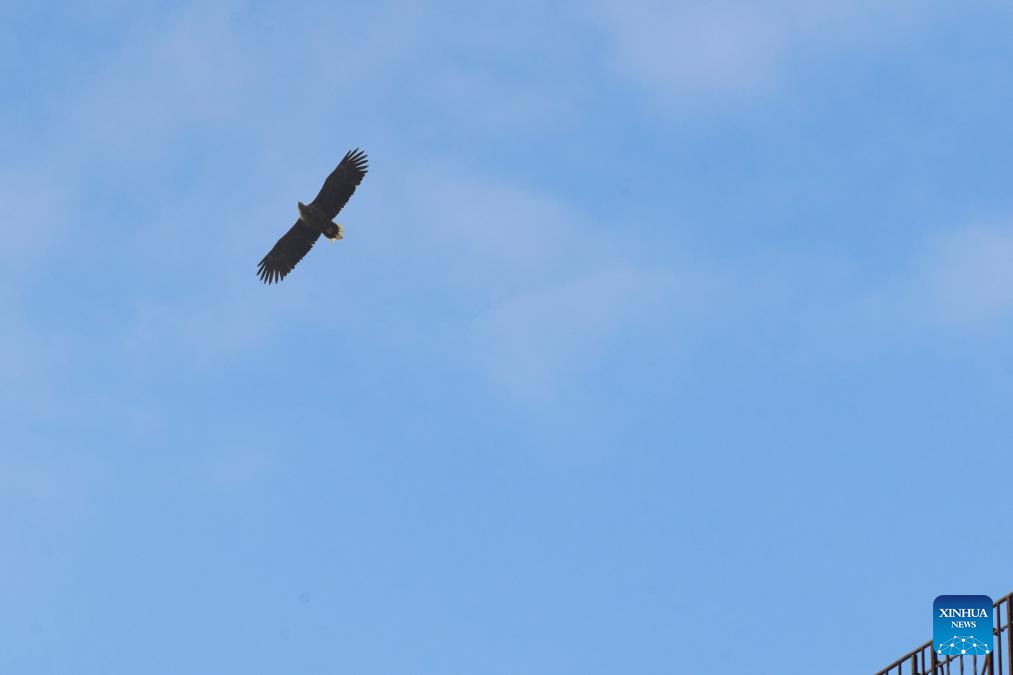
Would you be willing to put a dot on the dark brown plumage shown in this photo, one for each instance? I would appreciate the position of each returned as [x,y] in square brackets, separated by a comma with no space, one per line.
[315,218]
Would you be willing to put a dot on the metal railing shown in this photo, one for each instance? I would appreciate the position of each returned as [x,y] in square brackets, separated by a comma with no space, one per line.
[925,661]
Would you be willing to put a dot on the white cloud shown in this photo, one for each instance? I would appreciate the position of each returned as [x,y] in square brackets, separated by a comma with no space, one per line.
[545,291]
[490,238]
[33,213]
[730,48]
[478,97]
[536,344]
[161,78]
[201,333]
[967,276]
[711,47]
[954,286]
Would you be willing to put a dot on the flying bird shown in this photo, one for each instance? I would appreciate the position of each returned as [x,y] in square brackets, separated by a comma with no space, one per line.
[315,218]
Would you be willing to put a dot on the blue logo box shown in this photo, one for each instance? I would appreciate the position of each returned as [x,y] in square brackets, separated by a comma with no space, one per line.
[962,625]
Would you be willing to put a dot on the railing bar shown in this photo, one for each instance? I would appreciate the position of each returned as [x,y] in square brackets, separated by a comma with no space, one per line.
[998,640]
[1009,631]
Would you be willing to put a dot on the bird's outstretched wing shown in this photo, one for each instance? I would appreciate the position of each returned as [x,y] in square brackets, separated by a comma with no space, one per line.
[289,250]
[340,185]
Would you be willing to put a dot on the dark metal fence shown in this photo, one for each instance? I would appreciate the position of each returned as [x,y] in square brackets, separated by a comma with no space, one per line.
[925,661]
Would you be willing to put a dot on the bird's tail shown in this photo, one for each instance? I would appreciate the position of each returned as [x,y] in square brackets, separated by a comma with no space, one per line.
[333,231]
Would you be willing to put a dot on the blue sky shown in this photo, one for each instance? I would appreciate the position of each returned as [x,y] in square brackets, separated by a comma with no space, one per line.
[661,334]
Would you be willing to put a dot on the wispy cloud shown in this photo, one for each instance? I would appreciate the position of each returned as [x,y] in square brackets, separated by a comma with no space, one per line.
[702,51]
[951,287]
[967,276]
[548,291]
[33,213]
[487,235]
[539,343]
[160,79]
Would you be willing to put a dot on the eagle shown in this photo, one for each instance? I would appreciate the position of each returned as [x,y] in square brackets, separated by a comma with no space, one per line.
[315,218]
